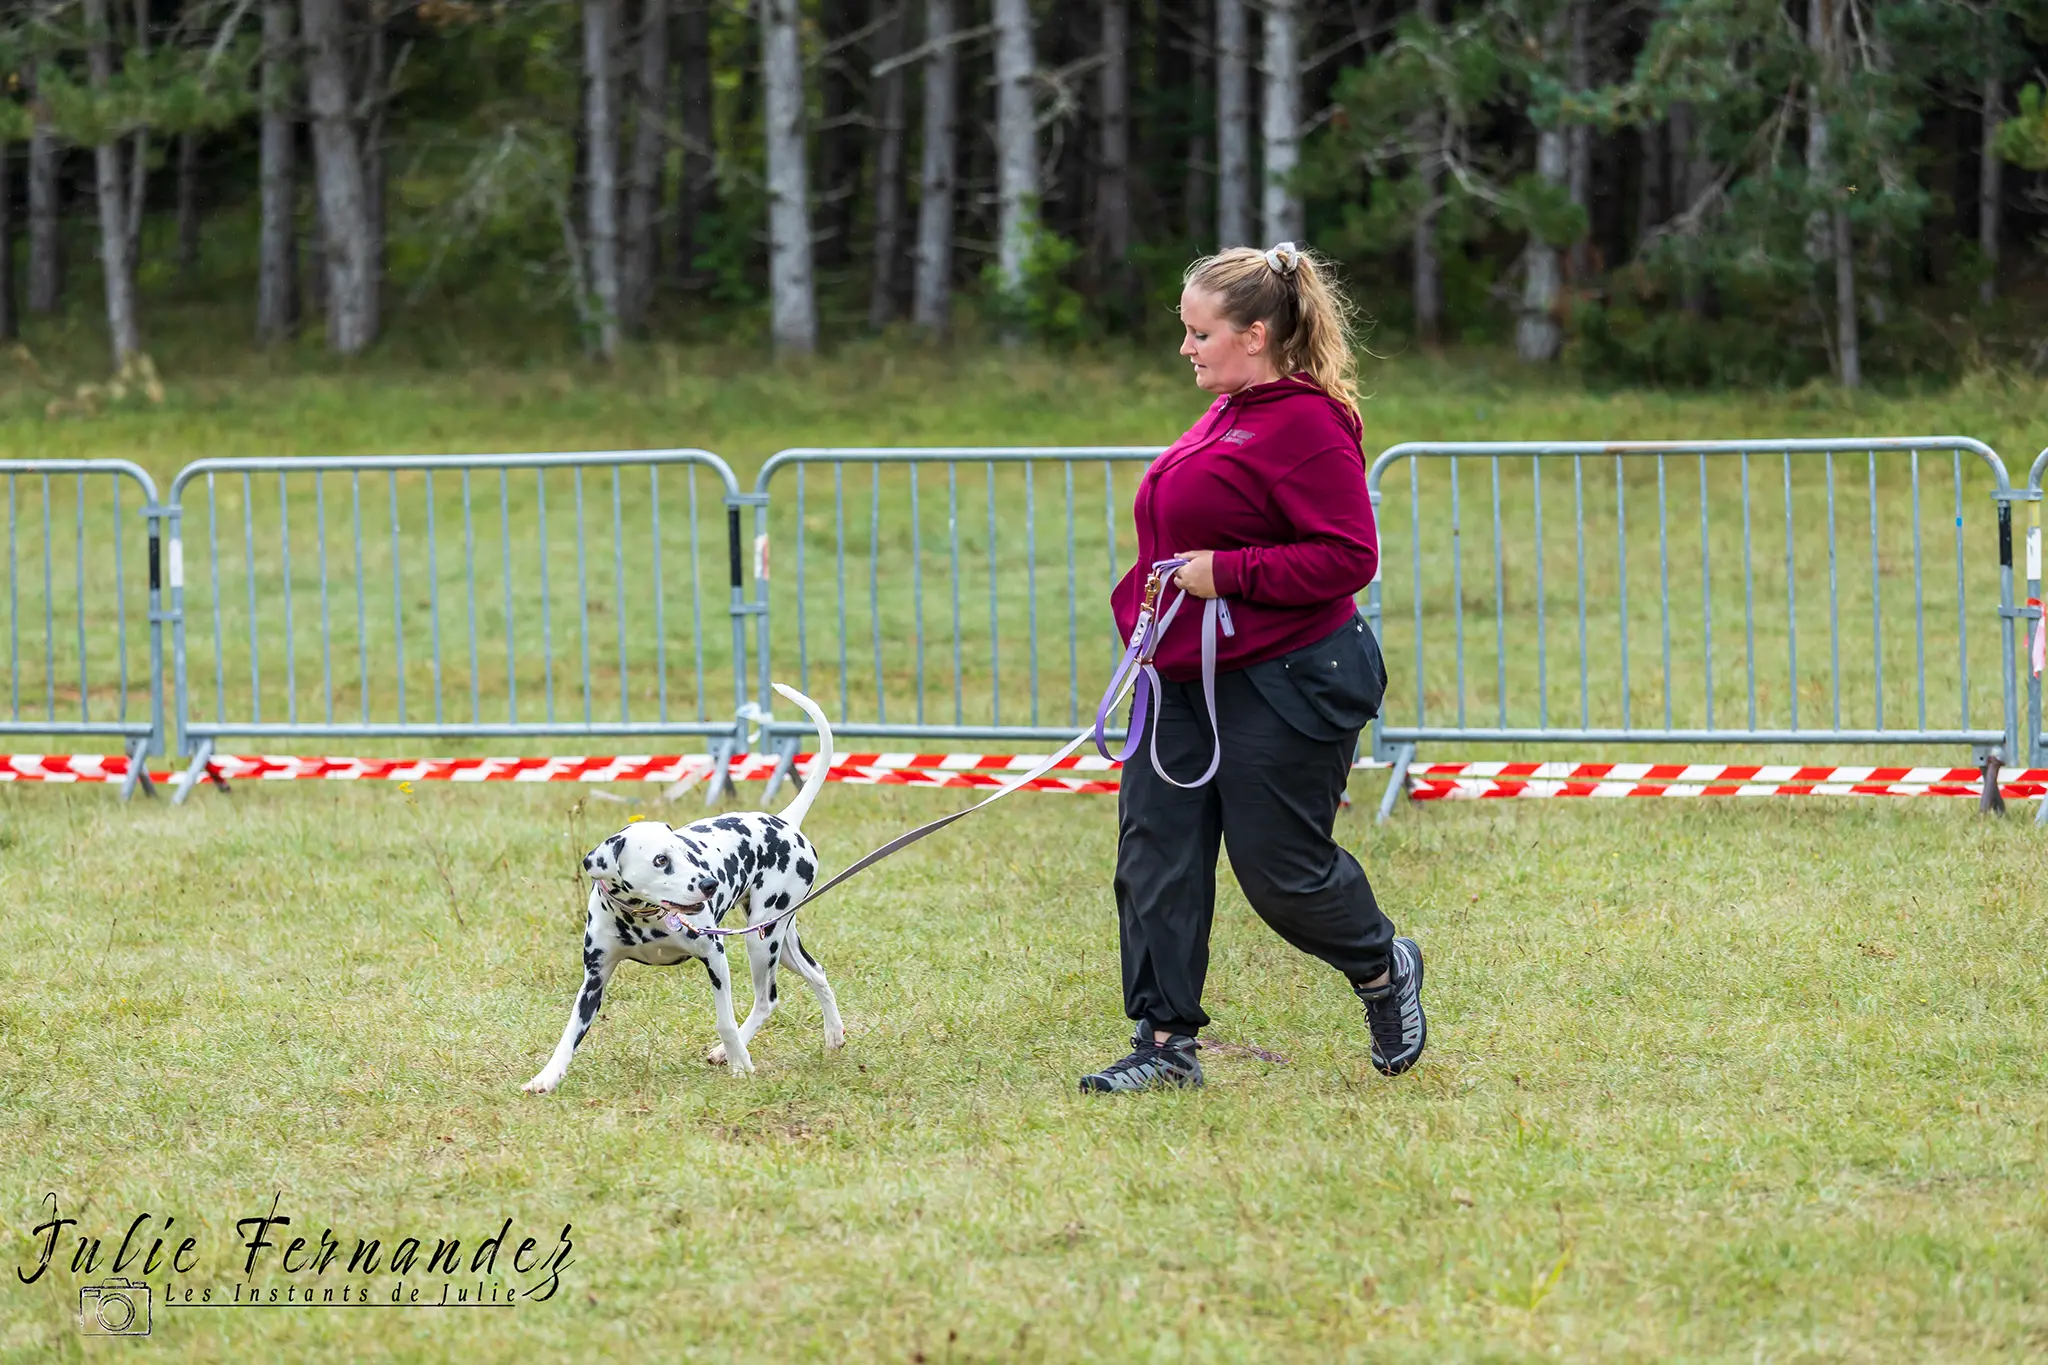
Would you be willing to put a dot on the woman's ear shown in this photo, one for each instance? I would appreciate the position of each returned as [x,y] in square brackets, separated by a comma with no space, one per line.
[1254,338]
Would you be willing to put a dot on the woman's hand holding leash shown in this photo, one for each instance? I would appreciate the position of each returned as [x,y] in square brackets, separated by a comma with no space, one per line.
[1197,577]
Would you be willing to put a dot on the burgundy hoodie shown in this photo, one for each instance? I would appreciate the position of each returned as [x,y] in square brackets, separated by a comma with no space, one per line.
[1273,480]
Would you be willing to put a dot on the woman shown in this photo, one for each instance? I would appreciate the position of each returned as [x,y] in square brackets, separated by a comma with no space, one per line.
[1265,499]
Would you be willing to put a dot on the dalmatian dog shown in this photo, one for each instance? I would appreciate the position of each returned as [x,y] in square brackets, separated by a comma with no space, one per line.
[655,890]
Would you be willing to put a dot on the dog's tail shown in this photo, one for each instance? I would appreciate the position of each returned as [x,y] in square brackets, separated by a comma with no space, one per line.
[793,814]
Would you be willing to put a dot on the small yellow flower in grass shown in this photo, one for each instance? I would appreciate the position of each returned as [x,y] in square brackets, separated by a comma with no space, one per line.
[633,818]
[405,787]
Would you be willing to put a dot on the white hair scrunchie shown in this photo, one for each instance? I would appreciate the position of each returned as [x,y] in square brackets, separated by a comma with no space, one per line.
[1284,258]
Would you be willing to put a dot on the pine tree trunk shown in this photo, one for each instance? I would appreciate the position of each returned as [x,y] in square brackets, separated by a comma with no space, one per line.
[1650,186]
[138,166]
[1233,125]
[643,172]
[1990,186]
[1427,270]
[347,238]
[10,311]
[45,263]
[838,141]
[696,188]
[1198,205]
[601,172]
[122,327]
[376,166]
[1579,142]
[1828,229]
[793,304]
[889,117]
[931,305]
[1113,163]
[188,204]
[1537,334]
[277,253]
[1692,176]
[1016,140]
[1280,213]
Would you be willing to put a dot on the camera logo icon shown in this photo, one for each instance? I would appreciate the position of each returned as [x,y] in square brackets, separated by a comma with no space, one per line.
[117,1308]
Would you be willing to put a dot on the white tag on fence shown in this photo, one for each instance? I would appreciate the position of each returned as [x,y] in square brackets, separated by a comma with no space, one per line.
[2034,553]
[177,562]
[761,558]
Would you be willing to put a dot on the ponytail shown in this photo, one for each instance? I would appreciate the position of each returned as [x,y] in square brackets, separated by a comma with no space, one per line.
[1296,294]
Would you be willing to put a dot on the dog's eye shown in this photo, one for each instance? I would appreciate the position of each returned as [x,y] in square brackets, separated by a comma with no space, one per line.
[661,861]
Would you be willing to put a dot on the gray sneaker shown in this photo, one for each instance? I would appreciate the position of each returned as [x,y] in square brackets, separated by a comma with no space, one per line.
[1393,1010]
[1151,1066]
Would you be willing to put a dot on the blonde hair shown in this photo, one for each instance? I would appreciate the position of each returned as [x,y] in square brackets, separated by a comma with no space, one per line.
[1296,294]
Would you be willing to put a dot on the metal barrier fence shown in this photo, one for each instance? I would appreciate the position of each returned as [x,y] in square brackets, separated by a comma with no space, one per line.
[1873,622]
[1795,646]
[378,542]
[2036,478]
[85,622]
[970,518]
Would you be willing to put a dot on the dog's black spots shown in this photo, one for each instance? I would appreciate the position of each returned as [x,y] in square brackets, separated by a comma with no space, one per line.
[807,954]
[696,849]
[712,972]
[617,844]
[689,933]
[731,824]
[619,924]
[656,933]
[805,870]
[760,880]
[771,992]
[586,1007]
[779,901]
[593,959]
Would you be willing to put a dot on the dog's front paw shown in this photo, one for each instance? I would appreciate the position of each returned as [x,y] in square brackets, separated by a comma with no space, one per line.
[715,1057]
[543,1084]
[835,1038]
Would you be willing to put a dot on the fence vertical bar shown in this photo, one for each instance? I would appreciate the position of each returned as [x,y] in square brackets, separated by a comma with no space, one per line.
[1415,583]
[1748,594]
[1664,576]
[582,588]
[547,635]
[505,554]
[326,618]
[284,549]
[619,593]
[953,571]
[803,652]
[220,673]
[1542,637]
[1791,598]
[1621,578]
[1579,517]
[121,606]
[839,548]
[434,595]
[13,608]
[397,599]
[1500,613]
[1707,593]
[1919,607]
[1109,530]
[355,492]
[1031,578]
[917,590]
[1073,609]
[249,570]
[660,597]
[1963,600]
[1876,598]
[84,685]
[995,649]
[476,708]
[1458,587]
[875,590]
[1834,601]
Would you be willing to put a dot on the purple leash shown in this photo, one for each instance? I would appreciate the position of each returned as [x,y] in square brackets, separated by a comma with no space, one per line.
[1136,667]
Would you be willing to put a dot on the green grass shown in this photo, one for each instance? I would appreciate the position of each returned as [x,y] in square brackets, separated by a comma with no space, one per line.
[1709,1080]
[1688,1097]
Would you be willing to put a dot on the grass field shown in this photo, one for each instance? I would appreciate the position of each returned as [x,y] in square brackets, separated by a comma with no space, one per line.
[1708,1080]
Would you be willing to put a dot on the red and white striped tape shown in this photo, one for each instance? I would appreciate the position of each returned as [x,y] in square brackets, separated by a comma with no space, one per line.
[1427,781]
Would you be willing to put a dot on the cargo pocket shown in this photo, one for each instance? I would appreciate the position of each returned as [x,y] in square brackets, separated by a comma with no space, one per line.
[1331,688]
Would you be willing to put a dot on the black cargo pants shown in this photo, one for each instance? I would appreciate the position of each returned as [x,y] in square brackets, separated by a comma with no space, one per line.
[1290,728]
